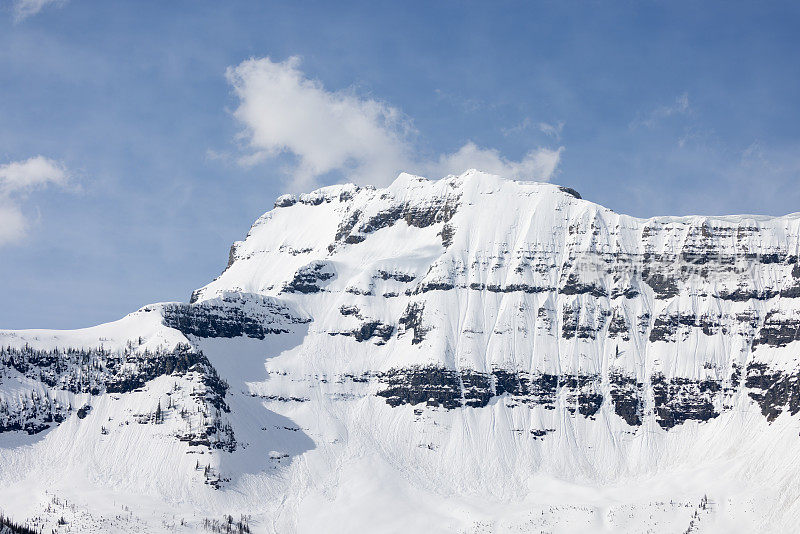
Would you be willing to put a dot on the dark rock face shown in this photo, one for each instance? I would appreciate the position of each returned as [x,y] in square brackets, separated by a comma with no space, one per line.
[231,256]
[671,327]
[383,219]
[447,233]
[618,326]
[626,395]
[666,326]
[543,389]
[569,322]
[476,388]
[347,195]
[773,390]
[439,210]
[306,279]
[435,286]
[680,399]
[314,199]
[778,330]
[350,310]
[510,288]
[368,330]
[510,382]
[627,292]
[447,388]
[664,287]
[570,191]
[285,201]
[792,292]
[576,323]
[346,226]
[434,386]
[396,275]
[412,320]
[97,371]
[373,328]
[589,403]
[676,400]
[743,294]
[432,213]
[574,286]
[231,316]
[583,391]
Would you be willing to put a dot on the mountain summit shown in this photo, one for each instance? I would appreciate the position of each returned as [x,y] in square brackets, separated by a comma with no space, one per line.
[471,354]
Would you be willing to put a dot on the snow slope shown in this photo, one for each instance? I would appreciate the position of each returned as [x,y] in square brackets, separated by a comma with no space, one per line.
[464,355]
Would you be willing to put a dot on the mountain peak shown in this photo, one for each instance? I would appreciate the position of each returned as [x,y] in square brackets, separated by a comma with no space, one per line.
[469,332]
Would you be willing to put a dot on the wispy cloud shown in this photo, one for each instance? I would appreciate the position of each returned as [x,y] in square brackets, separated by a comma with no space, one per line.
[649,120]
[467,105]
[28,8]
[365,140]
[17,179]
[551,130]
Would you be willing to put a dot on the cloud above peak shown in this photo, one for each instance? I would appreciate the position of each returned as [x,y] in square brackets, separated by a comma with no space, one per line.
[283,111]
[538,164]
[17,180]
[363,140]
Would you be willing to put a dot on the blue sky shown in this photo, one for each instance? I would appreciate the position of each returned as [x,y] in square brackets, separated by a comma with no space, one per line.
[154,123]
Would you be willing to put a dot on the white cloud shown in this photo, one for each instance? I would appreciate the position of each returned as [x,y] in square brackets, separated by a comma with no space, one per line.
[12,223]
[37,171]
[283,111]
[365,140]
[17,179]
[28,8]
[539,164]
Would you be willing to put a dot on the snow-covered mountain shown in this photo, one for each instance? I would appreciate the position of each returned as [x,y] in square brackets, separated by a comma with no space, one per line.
[464,355]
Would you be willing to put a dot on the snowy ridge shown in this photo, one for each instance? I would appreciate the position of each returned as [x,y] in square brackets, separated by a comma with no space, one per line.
[472,353]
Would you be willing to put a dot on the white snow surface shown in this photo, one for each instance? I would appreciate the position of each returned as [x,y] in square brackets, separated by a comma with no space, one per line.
[320,452]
